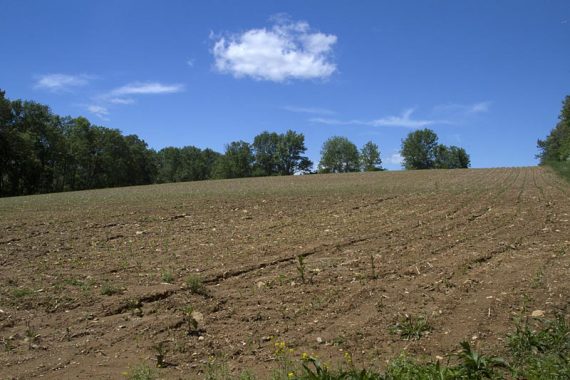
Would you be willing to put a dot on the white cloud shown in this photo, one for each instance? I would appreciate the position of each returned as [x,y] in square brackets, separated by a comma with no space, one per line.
[395,158]
[404,120]
[98,110]
[146,88]
[311,110]
[462,110]
[61,82]
[287,50]
[479,107]
[122,101]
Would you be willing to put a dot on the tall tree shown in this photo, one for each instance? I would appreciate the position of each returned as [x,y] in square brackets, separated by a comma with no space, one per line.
[290,150]
[452,157]
[265,146]
[419,149]
[556,146]
[237,161]
[370,157]
[280,153]
[339,155]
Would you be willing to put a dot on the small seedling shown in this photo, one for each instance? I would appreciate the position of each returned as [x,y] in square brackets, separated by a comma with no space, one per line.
[373,276]
[301,267]
[142,372]
[108,289]
[190,320]
[160,350]
[538,279]
[167,277]
[411,328]
[196,285]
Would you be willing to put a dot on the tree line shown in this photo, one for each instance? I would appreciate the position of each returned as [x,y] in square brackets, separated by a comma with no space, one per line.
[556,147]
[41,152]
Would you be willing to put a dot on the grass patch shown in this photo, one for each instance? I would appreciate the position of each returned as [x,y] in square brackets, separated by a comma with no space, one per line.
[167,277]
[108,289]
[411,328]
[539,349]
[562,168]
[141,372]
[196,285]
[22,292]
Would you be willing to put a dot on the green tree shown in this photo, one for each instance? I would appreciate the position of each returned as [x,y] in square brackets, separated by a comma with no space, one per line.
[290,150]
[370,157]
[339,155]
[556,146]
[280,153]
[419,149]
[265,146]
[452,157]
[237,161]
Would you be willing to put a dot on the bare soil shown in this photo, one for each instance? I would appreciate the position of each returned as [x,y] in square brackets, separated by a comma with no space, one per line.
[467,249]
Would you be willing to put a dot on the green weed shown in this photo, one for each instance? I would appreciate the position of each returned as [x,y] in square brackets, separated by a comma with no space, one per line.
[108,289]
[411,328]
[196,285]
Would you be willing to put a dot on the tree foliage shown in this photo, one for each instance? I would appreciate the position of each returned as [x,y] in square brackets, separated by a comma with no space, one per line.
[339,155]
[451,157]
[280,154]
[370,157]
[556,146]
[421,150]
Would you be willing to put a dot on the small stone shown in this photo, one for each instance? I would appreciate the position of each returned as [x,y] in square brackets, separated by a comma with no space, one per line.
[439,357]
[319,340]
[200,338]
[537,314]
[198,317]
[260,284]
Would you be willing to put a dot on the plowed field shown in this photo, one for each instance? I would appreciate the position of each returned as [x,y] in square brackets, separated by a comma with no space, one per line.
[83,275]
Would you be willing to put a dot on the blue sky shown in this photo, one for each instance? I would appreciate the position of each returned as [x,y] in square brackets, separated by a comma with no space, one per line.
[486,75]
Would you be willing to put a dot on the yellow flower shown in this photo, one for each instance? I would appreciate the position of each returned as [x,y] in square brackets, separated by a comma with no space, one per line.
[291,375]
[348,358]
[305,357]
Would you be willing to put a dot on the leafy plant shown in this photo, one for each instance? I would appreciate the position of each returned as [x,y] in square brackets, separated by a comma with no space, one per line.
[301,268]
[167,277]
[411,328]
[108,289]
[196,285]
[160,350]
[142,372]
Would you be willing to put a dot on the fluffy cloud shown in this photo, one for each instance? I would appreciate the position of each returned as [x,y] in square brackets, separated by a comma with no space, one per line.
[285,51]
[395,158]
[60,82]
[146,88]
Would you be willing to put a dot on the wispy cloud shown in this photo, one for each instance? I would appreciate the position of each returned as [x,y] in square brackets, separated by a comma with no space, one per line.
[122,101]
[404,120]
[99,111]
[61,82]
[461,110]
[309,110]
[287,50]
[146,88]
